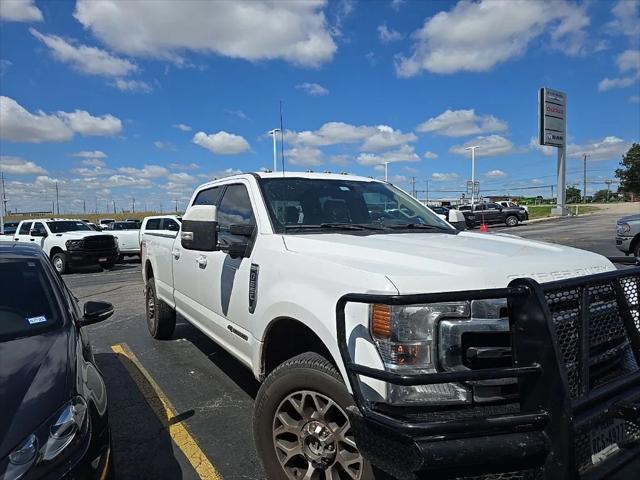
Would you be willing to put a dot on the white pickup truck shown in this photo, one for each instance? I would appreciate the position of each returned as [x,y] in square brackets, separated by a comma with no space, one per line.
[128,235]
[385,339]
[69,242]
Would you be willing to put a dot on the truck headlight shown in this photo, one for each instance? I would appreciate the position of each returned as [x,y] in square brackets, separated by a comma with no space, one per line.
[623,228]
[405,338]
[74,244]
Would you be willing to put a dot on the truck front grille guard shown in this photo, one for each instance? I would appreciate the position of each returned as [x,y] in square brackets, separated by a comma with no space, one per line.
[563,333]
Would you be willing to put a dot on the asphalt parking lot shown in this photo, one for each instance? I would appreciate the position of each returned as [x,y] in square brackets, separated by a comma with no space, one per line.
[182,408]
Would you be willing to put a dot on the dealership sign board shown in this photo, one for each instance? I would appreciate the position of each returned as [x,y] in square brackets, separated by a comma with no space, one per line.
[552,117]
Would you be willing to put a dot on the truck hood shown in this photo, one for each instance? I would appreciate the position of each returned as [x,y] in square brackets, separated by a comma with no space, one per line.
[79,234]
[429,262]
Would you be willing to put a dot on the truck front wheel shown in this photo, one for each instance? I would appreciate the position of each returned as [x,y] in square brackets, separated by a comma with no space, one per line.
[161,318]
[59,261]
[300,425]
[511,221]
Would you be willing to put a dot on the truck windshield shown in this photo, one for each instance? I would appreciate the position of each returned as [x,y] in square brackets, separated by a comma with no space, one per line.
[27,302]
[301,204]
[68,226]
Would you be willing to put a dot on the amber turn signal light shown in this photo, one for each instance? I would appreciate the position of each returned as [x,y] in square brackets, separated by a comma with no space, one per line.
[381,320]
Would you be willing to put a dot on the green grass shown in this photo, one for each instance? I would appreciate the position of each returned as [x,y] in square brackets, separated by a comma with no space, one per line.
[542,211]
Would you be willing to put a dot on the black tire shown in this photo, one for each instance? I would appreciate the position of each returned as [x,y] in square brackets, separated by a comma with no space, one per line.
[161,318]
[59,261]
[511,221]
[108,265]
[307,372]
[636,249]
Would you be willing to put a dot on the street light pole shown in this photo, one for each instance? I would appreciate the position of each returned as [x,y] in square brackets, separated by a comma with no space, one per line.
[386,171]
[275,149]
[473,171]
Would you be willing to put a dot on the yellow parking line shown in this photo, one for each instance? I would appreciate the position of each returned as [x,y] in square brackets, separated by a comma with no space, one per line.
[161,406]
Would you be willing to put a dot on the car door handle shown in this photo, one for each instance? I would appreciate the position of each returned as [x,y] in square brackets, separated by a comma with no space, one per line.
[176,253]
[32,239]
[202,261]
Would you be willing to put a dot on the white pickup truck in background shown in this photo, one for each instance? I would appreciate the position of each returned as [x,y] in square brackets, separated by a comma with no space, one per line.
[338,290]
[128,235]
[69,242]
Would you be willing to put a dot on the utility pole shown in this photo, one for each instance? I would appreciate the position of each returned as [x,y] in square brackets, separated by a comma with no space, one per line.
[413,187]
[473,171]
[2,209]
[57,200]
[84,206]
[4,194]
[114,206]
[133,205]
[551,193]
[608,182]
[96,204]
[160,208]
[273,133]
[584,180]
[427,190]
[176,200]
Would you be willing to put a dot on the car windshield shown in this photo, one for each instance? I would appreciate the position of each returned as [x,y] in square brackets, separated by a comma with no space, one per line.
[301,204]
[27,301]
[68,226]
[125,226]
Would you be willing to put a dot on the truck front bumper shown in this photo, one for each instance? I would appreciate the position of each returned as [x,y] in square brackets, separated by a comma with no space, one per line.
[92,257]
[552,430]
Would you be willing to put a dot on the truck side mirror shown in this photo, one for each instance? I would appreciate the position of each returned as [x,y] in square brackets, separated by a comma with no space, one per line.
[242,230]
[200,228]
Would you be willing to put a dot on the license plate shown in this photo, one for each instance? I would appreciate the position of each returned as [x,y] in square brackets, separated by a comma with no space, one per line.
[102,259]
[606,438]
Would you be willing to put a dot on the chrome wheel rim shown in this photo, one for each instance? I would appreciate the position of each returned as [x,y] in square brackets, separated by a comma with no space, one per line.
[511,221]
[58,264]
[313,440]
[151,309]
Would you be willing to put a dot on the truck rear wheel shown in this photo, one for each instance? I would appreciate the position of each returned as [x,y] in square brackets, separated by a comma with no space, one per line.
[300,425]
[161,318]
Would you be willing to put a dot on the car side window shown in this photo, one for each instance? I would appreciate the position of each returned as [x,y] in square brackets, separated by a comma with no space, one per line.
[39,227]
[208,196]
[154,224]
[493,206]
[25,228]
[235,209]
[170,224]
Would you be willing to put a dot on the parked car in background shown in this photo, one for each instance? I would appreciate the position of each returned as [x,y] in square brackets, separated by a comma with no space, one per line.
[10,228]
[104,222]
[452,215]
[507,204]
[628,235]
[160,225]
[134,220]
[54,421]
[493,213]
[69,242]
[128,235]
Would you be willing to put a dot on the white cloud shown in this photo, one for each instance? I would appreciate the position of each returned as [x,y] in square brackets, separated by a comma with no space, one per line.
[386,137]
[304,156]
[181,177]
[341,160]
[19,125]
[626,20]
[89,154]
[161,145]
[185,166]
[387,35]
[222,143]
[489,146]
[406,153]
[444,177]
[337,133]
[125,181]
[86,124]
[20,11]
[396,4]
[430,155]
[534,144]
[182,126]
[19,166]
[495,174]
[609,148]
[149,171]
[477,36]
[132,86]
[259,30]
[313,89]
[627,61]
[4,66]
[89,60]
[461,123]
[237,113]
[93,167]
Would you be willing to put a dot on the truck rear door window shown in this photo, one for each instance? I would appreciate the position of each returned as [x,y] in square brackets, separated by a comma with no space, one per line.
[25,228]
[154,224]
[208,196]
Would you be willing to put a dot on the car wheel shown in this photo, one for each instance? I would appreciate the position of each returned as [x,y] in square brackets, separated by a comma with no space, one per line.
[161,318]
[636,250]
[511,221]
[59,261]
[300,424]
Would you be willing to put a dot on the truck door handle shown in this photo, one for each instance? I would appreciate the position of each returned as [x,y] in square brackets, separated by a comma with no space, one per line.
[32,239]
[176,253]
[202,261]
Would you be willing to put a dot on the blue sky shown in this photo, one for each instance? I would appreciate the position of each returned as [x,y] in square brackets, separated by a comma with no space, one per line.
[146,100]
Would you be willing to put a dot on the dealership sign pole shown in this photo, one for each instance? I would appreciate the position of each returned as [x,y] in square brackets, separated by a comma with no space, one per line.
[552,120]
